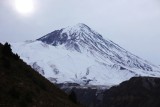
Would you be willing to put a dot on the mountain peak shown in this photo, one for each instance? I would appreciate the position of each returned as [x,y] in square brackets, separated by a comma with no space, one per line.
[80,27]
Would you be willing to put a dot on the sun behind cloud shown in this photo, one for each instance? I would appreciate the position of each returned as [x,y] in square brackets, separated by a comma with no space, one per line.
[24,6]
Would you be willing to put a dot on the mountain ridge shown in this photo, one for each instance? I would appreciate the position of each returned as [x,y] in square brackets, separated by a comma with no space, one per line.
[139,92]
[77,34]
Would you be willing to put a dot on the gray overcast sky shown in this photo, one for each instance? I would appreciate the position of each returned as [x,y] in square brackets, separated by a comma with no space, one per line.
[133,24]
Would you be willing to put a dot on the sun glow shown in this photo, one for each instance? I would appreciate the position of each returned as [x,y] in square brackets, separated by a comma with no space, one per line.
[24,6]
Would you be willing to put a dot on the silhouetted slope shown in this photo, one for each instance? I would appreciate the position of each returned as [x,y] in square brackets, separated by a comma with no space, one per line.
[21,86]
[137,92]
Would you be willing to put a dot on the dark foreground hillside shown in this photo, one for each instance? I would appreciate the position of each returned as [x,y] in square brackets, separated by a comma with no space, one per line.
[137,92]
[21,86]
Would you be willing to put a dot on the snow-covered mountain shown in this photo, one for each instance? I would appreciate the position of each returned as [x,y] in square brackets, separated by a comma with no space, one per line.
[80,55]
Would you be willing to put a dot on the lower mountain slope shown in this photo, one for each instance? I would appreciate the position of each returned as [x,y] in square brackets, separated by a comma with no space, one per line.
[137,92]
[21,86]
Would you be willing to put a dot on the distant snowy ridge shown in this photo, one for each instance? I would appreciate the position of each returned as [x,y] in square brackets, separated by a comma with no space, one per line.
[80,55]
